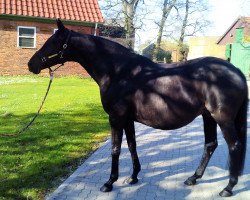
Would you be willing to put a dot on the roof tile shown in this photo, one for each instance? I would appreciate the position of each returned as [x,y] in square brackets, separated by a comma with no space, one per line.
[80,10]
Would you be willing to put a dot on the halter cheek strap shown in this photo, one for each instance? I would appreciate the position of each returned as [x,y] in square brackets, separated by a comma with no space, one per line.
[60,53]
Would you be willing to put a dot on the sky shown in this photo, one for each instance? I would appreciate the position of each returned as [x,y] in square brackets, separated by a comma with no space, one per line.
[222,15]
[225,12]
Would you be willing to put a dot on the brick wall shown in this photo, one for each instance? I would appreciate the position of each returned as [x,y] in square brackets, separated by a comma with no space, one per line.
[13,60]
[230,36]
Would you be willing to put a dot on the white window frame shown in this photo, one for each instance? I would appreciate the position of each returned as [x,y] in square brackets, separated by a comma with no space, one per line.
[34,37]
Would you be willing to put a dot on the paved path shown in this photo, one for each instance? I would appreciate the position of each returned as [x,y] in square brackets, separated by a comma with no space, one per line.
[167,159]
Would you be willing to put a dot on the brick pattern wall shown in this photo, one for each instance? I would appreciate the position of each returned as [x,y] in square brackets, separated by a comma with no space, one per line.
[13,60]
[230,36]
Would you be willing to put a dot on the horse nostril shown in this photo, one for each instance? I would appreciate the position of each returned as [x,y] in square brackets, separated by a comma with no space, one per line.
[30,66]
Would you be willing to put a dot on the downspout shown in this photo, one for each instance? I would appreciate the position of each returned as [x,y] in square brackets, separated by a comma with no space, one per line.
[96,26]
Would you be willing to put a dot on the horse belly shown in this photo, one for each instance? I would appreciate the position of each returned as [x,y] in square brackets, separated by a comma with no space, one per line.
[157,112]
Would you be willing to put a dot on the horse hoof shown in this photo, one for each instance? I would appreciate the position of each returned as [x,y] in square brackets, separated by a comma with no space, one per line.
[131,180]
[106,188]
[226,193]
[190,181]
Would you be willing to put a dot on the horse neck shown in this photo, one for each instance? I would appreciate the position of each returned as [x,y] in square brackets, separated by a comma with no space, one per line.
[97,56]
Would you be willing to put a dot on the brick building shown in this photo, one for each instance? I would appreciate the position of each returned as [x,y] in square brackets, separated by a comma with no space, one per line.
[230,35]
[26,24]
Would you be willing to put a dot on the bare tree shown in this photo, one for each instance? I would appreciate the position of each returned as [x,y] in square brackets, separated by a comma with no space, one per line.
[123,13]
[188,20]
[129,11]
[166,9]
[193,22]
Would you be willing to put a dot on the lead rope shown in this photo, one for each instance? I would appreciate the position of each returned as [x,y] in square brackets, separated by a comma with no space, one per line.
[51,73]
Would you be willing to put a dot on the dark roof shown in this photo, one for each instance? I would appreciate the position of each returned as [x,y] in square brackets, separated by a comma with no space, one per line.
[72,10]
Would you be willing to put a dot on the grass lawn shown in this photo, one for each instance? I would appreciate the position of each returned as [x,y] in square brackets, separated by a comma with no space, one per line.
[72,123]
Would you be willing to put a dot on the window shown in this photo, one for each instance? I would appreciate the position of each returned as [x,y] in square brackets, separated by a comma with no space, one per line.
[26,37]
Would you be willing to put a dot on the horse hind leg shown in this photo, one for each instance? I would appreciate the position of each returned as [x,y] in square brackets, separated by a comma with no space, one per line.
[235,163]
[210,130]
[235,134]
[130,136]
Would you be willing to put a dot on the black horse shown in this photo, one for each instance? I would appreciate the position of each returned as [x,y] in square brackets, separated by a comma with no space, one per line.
[133,88]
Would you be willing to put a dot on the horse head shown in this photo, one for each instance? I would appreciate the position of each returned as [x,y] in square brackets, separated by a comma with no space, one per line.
[52,52]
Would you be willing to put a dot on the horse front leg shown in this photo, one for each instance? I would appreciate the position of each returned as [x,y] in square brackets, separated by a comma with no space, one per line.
[116,132]
[130,136]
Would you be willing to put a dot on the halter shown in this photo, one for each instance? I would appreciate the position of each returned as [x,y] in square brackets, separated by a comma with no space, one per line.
[60,53]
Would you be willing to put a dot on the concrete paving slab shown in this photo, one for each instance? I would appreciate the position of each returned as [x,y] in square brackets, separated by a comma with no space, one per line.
[167,159]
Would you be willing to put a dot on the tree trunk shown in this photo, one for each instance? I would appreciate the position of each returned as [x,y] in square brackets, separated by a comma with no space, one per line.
[182,50]
[167,7]
[129,10]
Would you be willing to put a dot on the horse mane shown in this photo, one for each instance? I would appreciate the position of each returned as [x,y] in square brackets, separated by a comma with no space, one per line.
[115,48]
[110,45]
[118,49]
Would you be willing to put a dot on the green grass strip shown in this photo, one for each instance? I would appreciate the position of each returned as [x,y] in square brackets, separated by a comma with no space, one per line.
[72,124]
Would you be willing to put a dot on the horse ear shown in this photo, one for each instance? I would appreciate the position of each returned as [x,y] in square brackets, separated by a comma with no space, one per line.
[60,24]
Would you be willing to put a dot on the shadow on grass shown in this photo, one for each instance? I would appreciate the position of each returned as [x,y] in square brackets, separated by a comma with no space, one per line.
[36,161]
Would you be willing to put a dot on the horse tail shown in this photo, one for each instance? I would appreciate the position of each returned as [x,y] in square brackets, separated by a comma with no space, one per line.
[241,128]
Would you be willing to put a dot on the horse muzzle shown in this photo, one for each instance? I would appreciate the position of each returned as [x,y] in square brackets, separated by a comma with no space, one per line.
[34,69]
